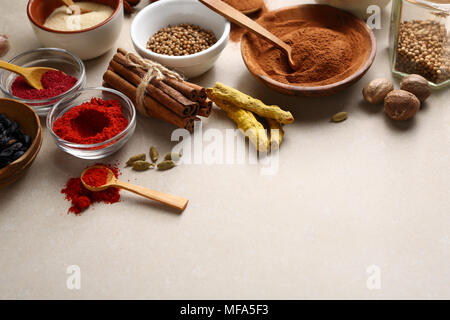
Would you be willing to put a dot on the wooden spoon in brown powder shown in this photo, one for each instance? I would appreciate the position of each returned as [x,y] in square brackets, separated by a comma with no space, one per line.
[242,20]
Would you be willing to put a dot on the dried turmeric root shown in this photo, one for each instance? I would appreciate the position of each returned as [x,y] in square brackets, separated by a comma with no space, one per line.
[238,99]
[276,133]
[246,122]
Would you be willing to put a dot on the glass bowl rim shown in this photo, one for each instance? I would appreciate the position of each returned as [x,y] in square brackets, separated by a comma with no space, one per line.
[42,103]
[70,144]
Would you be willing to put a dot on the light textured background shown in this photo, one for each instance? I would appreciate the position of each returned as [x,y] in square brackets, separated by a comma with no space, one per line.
[365,192]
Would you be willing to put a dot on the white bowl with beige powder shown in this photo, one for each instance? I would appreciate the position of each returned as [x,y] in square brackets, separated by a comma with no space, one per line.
[88,35]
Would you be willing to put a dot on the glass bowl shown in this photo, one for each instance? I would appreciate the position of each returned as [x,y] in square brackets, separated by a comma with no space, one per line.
[45,57]
[98,150]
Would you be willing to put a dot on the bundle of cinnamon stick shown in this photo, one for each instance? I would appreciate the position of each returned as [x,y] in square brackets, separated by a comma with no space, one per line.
[175,101]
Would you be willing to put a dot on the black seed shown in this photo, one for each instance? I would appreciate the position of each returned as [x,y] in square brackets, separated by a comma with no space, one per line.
[6,123]
[14,127]
[26,140]
[17,155]
[3,141]
[3,119]
[11,141]
[6,153]
[16,146]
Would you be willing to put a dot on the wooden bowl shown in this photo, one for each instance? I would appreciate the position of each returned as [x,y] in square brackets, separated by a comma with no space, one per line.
[29,124]
[325,15]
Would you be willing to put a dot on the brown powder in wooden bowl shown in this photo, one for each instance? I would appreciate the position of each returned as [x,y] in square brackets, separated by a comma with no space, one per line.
[244,5]
[330,45]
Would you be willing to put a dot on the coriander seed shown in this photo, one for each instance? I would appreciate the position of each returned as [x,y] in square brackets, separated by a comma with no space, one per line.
[181,40]
[424,48]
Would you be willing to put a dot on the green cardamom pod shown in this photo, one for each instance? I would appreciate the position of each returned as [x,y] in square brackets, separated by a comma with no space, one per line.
[340,116]
[154,154]
[173,156]
[166,165]
[141,165]
[135,158]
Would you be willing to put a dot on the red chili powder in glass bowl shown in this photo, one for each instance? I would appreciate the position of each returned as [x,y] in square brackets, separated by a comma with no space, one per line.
[54,83]
[92,122]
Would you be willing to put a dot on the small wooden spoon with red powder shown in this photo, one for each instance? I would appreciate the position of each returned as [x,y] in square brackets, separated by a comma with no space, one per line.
[32,75]
[98,178]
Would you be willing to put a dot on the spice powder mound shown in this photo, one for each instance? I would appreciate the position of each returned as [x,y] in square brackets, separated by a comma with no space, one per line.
[327,53]
[54,83]
[81,198]
[96,177]
[91,122]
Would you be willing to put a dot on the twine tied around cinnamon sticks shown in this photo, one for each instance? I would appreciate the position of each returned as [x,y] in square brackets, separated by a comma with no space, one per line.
[171,99]
[154,70]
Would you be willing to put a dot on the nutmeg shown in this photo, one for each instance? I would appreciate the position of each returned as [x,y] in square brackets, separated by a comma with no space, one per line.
[417,85]
[401,105]
[376,90]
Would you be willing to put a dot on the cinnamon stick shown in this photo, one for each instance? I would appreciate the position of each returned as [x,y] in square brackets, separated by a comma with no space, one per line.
[152,91]
[201,91]
[184,88]
[153,107]
[176,95]
[191,92]
[205,108]
[181,86]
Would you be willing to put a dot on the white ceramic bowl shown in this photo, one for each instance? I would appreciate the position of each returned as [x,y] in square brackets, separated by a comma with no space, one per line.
[86,43]
[172,12]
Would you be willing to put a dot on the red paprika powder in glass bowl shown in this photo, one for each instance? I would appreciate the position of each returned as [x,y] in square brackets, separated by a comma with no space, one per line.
[92,123]
[58,85]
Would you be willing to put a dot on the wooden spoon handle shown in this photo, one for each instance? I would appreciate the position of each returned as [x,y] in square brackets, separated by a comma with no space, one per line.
[70,4]
[242,20]
[11,67]
[168,199]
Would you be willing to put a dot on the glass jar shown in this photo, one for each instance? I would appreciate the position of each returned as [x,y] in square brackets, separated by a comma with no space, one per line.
[420,40]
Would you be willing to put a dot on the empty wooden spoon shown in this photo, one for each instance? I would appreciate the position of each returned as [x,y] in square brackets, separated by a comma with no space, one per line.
[245,22]
[31,75]
[164,198]
[72,6]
